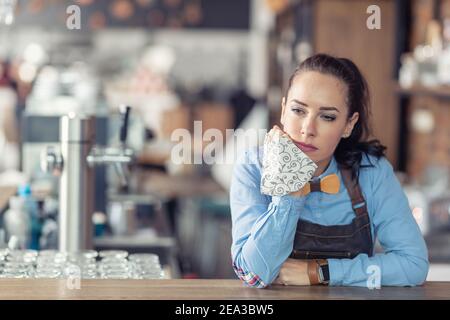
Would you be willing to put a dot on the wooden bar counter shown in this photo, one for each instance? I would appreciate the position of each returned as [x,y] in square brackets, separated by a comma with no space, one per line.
[31,289]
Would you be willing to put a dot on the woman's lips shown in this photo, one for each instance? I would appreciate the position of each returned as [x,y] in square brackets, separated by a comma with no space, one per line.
[305,147]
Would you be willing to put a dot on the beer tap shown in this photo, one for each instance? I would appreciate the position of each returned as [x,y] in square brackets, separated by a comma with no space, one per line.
[74,163]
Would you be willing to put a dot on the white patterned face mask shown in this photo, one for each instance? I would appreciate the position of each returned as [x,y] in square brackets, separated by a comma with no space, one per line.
[286,168]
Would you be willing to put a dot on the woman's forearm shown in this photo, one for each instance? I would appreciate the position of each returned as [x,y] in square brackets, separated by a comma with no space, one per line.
[386,269]
[266,245]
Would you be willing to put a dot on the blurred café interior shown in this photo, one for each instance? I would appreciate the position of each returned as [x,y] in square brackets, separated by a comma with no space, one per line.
[69,143]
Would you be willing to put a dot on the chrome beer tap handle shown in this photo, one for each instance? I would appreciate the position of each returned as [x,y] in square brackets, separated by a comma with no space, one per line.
[119,157]
[51,161]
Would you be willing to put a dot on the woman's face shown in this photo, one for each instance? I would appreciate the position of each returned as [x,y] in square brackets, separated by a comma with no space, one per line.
[315,113]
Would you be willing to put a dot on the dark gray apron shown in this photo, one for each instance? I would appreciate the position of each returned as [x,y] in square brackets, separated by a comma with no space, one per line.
[315,241]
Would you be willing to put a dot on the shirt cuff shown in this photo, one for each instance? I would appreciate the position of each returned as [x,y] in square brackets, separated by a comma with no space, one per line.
[336,272]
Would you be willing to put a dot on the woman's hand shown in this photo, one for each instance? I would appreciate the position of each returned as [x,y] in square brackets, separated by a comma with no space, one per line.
[286,169]
[277,129]
[293,272]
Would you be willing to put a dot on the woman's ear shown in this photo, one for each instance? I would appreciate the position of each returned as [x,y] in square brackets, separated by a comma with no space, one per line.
[351,124]
[283,106]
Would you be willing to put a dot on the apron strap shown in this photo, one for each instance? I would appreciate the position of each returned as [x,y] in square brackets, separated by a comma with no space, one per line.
[358,202]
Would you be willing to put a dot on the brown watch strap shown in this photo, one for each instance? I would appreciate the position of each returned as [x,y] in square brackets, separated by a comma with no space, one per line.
[313,273]
[313,270]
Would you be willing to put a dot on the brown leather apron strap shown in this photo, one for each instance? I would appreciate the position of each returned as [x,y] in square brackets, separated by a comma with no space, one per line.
[358,201]
[314,186]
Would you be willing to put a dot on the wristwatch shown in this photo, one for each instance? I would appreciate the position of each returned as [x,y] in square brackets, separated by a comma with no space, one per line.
[318,271]
[323,271]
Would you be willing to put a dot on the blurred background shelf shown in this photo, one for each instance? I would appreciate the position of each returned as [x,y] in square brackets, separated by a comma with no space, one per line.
[135,241]
[441,92]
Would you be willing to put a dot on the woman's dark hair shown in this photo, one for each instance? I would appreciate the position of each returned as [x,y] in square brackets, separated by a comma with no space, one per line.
[349,151]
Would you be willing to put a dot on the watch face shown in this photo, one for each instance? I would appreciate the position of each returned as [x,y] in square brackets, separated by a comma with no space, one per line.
[320,274]
[324,273]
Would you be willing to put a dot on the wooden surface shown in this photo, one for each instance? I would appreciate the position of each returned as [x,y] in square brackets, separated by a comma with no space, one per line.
[204,290]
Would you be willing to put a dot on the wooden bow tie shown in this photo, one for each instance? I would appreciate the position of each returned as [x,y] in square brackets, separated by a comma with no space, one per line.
[328,184]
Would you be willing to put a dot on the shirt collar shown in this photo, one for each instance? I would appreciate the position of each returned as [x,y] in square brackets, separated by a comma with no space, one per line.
[332,168]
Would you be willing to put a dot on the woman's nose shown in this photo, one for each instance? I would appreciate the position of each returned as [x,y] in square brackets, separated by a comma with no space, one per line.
[309,127]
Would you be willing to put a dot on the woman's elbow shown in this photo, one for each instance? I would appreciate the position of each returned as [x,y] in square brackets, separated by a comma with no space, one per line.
[418,273]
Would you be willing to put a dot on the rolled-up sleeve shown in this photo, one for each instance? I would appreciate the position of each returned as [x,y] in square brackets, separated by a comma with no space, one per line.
[404,261]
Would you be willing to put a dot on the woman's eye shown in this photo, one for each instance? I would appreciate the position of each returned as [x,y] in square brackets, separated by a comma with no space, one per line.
[328,118]
[297,110]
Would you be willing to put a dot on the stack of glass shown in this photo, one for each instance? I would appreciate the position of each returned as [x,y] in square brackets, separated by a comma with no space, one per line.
[82,264]
[19,264]
[3,255]
[50,264]
[113,264]
[145,266]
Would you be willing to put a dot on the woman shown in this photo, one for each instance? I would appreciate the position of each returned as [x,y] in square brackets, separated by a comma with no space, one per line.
[320,236]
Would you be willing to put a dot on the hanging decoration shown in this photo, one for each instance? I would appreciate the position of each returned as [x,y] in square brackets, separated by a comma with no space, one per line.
[122,9]
[97,21]
[277,6]
[193,13]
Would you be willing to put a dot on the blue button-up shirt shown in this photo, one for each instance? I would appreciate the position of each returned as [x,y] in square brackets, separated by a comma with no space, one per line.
[264,226]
